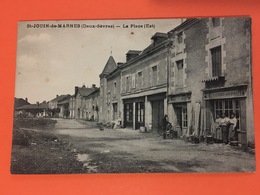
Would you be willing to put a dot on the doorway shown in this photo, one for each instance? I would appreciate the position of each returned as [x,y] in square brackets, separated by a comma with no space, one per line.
[157,115]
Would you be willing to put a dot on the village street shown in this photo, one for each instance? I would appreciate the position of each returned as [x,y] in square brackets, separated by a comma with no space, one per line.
[125,150]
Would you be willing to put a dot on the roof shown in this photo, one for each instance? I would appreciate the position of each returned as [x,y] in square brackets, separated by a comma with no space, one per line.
[110,66]
[133,52]
[63,102]
[152,46]
[84,91]
[160,34]
[60,98]
[33,106]
[18,102]
[185,24]
[94,93]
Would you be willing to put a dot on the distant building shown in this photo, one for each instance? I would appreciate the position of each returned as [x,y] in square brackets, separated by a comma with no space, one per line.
[92,106]
[55,106]
[78,102]
[34,110]
[18,102]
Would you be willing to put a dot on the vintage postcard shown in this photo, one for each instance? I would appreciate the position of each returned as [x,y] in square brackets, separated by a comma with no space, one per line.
[134,96]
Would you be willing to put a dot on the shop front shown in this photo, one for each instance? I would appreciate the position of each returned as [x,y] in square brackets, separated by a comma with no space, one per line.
[225,101]
[134,112]
[157,105]
[180,104]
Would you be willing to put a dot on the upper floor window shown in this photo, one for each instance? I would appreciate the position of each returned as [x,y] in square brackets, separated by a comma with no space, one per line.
[114,91]
[133,80]
[179,74]
[128,83]
[139,80]
[180,37]
[101,90]
[215,22]
[154,75]
[216,61]
[108,97]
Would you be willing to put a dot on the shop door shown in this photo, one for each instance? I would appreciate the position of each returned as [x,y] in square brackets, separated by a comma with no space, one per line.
[128,115]
[182,120]
[157,115]
[115,111]
[139,114]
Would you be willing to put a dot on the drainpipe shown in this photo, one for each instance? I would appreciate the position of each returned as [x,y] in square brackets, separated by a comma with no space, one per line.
[168,70]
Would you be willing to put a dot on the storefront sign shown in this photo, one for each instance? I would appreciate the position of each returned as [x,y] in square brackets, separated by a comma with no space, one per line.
[178,98]
[225,93]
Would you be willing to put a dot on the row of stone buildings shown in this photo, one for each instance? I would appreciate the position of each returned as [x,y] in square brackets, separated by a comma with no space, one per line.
[199,69]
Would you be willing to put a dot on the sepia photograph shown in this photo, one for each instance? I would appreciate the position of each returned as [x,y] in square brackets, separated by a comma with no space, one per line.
[134,96]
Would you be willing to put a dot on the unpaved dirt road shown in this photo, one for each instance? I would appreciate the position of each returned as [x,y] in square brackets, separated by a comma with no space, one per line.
[129,151]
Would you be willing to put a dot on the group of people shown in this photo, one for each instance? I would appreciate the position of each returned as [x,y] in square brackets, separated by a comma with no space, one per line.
[225,129]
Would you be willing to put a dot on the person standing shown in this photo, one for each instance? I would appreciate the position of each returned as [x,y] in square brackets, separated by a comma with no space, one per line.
[218,130]
[164,125]
[232,128]
[224,122]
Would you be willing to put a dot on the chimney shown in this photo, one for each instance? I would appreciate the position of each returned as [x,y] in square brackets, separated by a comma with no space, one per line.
[37,103]
[93,85]
[76,89]
[159,37]
[131,54]
[26,99]
[57,96]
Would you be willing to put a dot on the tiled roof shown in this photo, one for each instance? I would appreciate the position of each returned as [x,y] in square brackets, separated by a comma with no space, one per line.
[83,91]
[18,102]
[60,98]
[63,102]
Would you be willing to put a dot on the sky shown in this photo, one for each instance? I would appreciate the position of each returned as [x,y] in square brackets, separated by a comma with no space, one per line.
[52,61]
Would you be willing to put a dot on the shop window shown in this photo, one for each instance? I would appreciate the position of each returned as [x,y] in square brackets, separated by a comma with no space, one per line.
[179,73]
[216,61]
[184,117]
[129,112]
[227,107]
